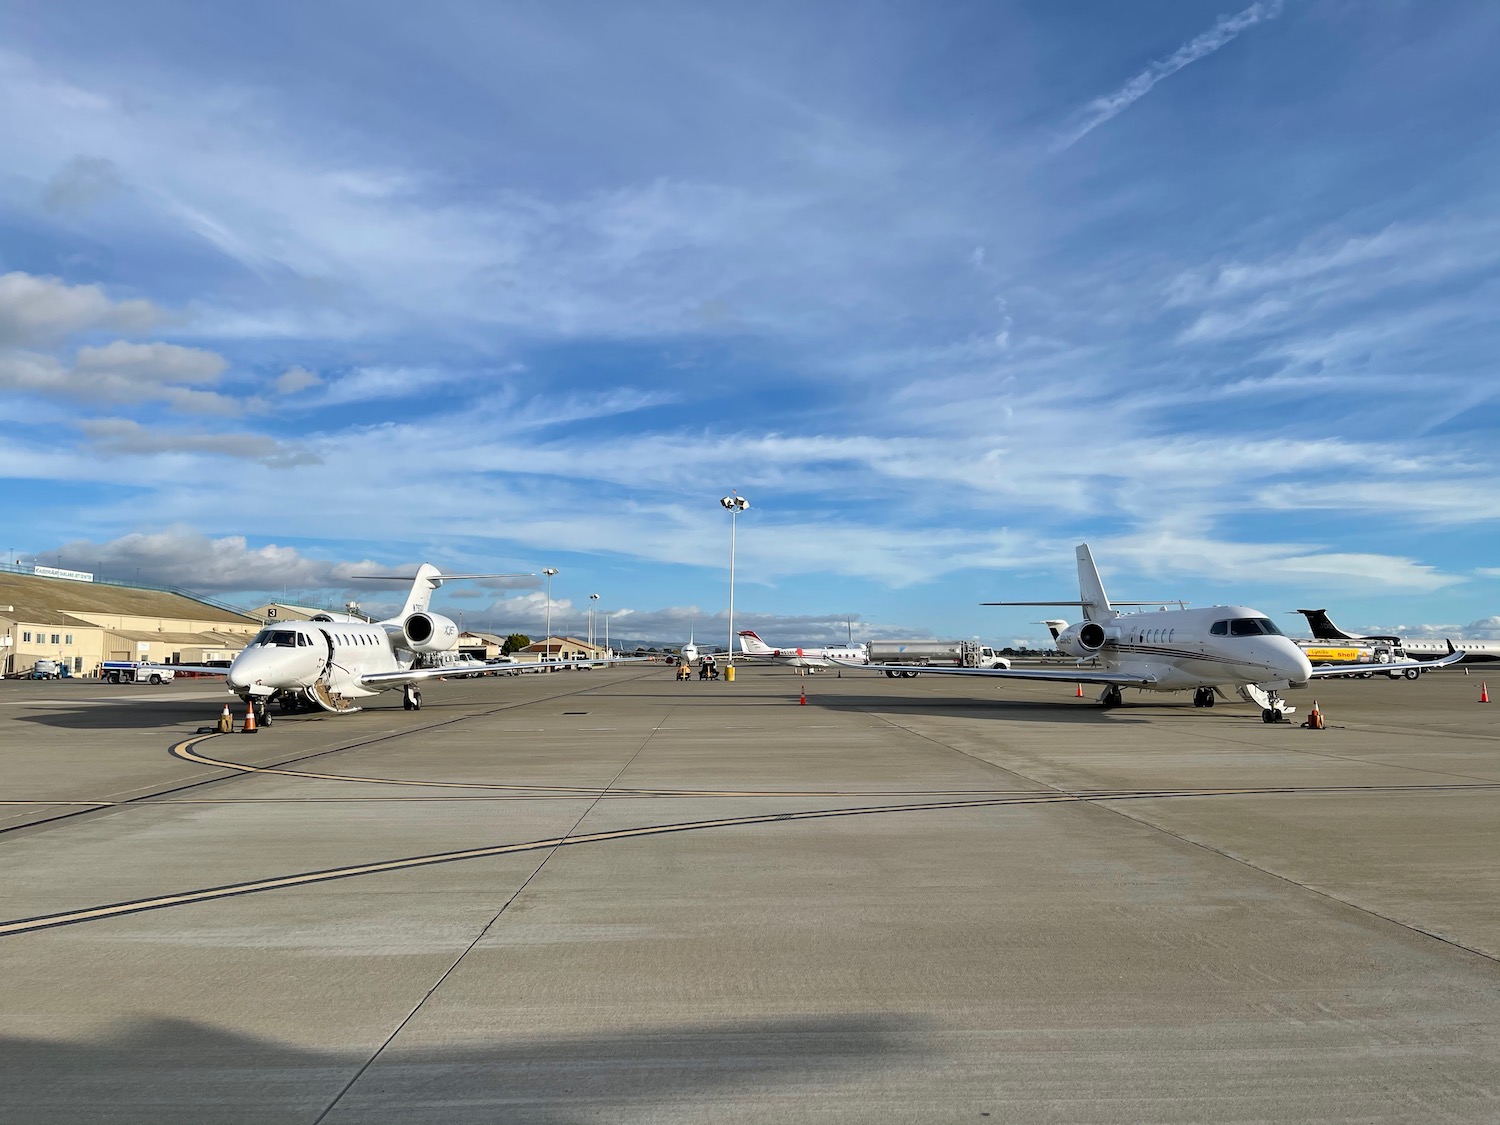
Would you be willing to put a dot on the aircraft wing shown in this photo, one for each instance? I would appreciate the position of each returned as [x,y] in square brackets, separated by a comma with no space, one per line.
[200,669]
[1056,675]
[416,675]
[401,677]
[1453,657]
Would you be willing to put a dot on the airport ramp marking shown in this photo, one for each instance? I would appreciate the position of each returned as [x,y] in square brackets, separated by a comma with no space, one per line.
[305,878]
[187,751]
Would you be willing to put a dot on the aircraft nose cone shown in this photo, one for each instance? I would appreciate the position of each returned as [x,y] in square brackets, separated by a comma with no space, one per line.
[248,668]
[1295,665]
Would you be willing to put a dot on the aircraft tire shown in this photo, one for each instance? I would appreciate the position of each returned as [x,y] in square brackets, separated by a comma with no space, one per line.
[1270,715]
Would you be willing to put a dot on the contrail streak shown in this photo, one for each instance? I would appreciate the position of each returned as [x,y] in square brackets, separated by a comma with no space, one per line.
[1101,109]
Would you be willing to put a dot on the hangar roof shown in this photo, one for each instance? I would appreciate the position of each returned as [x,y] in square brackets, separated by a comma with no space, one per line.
[35,596]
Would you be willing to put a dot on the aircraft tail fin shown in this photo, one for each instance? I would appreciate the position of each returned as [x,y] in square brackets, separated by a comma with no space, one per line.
[752,645]
[428,578]
[423,584]
[1322,628]
[1091,594]
[1055,625]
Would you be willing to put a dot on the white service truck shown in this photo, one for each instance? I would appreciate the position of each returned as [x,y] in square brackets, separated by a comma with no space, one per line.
[934,653]
[136,672]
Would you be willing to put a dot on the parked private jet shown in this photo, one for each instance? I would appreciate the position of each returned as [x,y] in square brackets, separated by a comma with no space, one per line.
[1206,650]
[330,663]
[826,657]
[1323,629]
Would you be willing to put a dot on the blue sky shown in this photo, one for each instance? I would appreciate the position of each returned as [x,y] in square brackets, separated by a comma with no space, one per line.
[291,290]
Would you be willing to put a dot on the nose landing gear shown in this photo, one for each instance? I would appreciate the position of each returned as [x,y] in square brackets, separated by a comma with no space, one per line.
[411,698]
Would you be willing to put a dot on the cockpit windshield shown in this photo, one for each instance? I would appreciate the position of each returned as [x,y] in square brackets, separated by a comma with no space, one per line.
[1246,627]
[281,638]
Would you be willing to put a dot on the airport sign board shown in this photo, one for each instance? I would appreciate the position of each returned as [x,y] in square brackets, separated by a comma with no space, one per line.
[57,572]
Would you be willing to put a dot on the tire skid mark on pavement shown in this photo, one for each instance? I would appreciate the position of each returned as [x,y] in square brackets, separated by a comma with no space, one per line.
[305,878]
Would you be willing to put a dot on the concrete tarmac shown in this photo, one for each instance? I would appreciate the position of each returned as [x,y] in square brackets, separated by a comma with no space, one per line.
[611,896]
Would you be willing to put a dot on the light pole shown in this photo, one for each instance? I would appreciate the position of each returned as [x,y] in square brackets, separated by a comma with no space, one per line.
[735,504]
[593,618]
[549,571]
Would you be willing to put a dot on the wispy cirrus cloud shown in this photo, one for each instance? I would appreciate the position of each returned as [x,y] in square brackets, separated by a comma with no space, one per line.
[1111,105]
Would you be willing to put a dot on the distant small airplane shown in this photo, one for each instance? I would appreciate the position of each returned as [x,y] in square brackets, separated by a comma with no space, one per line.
[330,662]
[802,657]
[1173,650]
[690,652]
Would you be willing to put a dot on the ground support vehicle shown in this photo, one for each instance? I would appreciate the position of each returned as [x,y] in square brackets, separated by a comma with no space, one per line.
[934,653]
[135,672]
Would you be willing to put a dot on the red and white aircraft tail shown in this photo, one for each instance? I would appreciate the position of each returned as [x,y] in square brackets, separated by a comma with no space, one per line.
[752,645]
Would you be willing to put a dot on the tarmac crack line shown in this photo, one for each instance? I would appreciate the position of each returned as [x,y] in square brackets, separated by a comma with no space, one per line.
[1410,927]
[1101,802]
[305,878]
[240,771]
[485,929]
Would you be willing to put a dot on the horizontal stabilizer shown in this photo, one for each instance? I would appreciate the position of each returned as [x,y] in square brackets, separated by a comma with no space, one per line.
[1171,601]
[443,577]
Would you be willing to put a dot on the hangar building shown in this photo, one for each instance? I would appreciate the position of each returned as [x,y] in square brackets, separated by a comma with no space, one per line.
[83,624]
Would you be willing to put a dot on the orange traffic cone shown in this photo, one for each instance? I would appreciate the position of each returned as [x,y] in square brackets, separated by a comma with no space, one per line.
[1079,694]
[1484,693]
[802,701]
[226,721]
[249,727]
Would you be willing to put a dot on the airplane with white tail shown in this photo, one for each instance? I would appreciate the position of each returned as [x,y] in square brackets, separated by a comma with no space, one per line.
[824,657]
[1206,650]
[332,661]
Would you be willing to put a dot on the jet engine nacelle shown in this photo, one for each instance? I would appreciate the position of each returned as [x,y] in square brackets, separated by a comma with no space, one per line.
[428,632]
[1086,638]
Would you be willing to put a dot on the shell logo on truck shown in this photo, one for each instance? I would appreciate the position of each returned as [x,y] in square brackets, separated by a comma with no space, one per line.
[1331,655]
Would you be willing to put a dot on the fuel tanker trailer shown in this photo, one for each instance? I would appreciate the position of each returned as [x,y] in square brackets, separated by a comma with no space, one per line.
[934,653]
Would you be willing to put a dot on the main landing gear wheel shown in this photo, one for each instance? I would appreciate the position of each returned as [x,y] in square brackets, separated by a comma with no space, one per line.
[411,700]
[1112,697]
[1203,697]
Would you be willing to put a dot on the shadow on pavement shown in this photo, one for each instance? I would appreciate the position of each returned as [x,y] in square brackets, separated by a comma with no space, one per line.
[165,1071]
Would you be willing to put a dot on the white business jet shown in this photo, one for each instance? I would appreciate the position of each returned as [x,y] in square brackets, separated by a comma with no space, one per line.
[826,657]
[1206,650]
[333,661]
